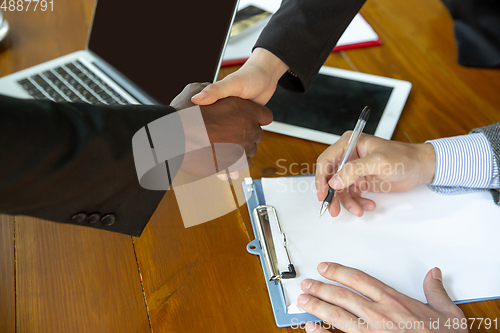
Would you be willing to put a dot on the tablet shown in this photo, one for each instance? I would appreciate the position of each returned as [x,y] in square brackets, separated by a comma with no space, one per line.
[333,104]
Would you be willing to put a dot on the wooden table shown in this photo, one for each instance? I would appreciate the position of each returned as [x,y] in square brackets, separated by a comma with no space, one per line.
[61,278]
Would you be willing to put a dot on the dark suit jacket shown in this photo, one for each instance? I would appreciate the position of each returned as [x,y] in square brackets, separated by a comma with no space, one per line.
[477,31]
[303,33]
[64,162]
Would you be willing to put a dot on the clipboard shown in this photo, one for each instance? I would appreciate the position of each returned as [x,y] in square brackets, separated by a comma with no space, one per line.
[255,197]
[255,201]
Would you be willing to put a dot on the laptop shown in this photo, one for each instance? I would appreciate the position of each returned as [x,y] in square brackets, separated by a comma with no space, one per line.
[137,53]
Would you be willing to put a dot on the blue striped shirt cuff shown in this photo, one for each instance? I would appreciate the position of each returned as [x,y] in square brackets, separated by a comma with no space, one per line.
[464,163]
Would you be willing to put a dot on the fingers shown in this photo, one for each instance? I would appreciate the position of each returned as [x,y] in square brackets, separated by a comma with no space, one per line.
[327,312]
[348,201]
[336,295]
[183,100]
[352,200]
[326,166]
[259,135]
[218,90]
[251,150]
[334,208]
[355,279]
[321,186]
[324,170]
[355,169]
[436,295]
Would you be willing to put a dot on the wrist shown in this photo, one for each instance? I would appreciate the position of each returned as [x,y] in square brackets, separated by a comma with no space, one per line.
[272,65]
[427,158]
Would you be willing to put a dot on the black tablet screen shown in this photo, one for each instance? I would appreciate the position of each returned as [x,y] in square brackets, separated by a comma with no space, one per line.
[331,104]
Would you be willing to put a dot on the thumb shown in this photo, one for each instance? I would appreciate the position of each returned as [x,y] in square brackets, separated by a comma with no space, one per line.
[436,295]
[216,91]
[353,170]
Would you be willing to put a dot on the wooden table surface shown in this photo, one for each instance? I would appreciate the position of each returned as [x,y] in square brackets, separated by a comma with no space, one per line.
[62,278]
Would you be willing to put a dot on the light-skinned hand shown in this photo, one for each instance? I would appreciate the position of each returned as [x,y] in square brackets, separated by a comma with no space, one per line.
[386,310]
[255,80]
[376,165]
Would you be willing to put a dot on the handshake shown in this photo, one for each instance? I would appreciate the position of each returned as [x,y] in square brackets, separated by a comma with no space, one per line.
[233,109]
[219,136]
[228,120]
[184,149]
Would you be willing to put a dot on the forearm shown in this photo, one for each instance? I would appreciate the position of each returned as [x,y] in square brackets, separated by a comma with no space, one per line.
[270,63]
[303,33]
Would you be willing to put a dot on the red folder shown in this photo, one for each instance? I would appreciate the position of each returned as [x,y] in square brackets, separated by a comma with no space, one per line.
[377,42]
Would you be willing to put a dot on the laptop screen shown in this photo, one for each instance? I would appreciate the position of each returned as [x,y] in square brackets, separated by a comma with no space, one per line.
[162,45]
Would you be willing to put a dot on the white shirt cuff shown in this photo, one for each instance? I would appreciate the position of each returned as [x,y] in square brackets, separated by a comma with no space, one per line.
[463,161]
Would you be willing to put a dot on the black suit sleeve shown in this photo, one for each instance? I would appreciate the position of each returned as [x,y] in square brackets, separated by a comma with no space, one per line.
[61,159]
[303,33]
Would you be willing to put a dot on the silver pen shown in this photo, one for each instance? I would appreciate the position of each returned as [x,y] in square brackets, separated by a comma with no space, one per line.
[358,129]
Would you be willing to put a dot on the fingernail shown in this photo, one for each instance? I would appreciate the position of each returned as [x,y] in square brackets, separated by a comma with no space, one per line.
[303,299]
[353,211]
[222,176]
[307,283]
[323,267]
[199,96]
[436,274]
[336,181]
[368,207]
[234,175]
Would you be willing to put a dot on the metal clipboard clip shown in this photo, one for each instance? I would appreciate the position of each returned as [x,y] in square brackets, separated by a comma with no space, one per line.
[261,216]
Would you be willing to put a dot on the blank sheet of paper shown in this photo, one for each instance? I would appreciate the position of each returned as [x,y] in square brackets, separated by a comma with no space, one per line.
[407,235]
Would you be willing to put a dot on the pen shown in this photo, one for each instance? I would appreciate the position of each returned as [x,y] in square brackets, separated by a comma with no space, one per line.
[358,129]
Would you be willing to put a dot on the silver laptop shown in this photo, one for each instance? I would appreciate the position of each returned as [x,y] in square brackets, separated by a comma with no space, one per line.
[137,53]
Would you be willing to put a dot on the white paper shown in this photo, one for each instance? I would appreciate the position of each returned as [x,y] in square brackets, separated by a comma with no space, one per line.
[240,47]
[407,235]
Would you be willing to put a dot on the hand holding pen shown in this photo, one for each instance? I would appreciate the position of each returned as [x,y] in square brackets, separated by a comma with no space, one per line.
[361,162]
[358,129]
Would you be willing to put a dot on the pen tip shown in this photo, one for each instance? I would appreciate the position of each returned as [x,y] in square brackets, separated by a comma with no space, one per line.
[365,113]
[324,207]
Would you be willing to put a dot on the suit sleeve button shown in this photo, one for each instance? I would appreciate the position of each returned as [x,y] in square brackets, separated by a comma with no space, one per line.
[94,218]
[108,220]
[79,218]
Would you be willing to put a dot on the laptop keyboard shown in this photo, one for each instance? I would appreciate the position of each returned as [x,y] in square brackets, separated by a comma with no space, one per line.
[72,82]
